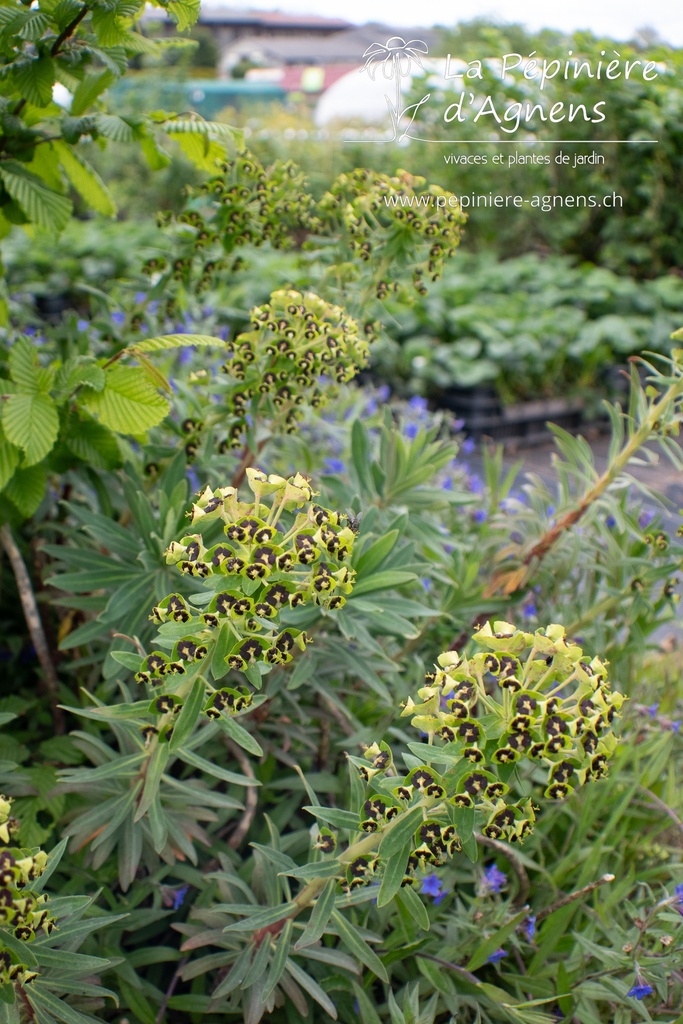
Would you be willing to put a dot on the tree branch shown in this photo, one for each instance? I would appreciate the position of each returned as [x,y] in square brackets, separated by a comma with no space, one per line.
[34,623]
[67,32]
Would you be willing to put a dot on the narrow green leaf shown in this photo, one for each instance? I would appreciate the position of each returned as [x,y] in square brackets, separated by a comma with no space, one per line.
[279,960]
[241,737]
[358,947]
[157,763]
[335,816]
[414,905]
[386,580]
[394,870]
[195,761]
[376,553]
[494,942]
[400,831]
[312,987]
[187,719]
[262,918]
[320,915]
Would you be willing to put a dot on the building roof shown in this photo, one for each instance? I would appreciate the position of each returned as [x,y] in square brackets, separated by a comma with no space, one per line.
[245,17]
[345,47]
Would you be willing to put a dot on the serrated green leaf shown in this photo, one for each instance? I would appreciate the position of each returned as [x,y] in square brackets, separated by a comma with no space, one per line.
[23,365]
[183,12]
[31,422]
[129,403]
[204,152]
[169,341]
[85,180]
[42,205]
[89,89]
[35,79]
[10,456]
[26,489]
[93,443]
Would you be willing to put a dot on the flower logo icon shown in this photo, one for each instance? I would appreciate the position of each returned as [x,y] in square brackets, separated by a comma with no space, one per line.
[395,58]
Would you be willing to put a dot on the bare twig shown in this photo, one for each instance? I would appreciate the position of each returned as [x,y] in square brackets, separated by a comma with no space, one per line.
[662,806]
[170,990]
[250,798]
[34,623]
[573,896]
[515,863]
[453,967]
[67,32]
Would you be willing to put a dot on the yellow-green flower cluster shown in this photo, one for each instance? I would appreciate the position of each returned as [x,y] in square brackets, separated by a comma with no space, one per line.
[243,205]
[23,913]
[281,551]
[386,218]
[523,695]
[297,346]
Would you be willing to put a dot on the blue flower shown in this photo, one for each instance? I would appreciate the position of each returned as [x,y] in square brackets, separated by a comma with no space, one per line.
[640,990]
[494,879]
[371,407]
[550,511]
[82,325]
[529,927]
[447,484]
[610,522]
[418,405]
[457,425]
[468,446]
[411,431]
[334,466]
[475,484]
[426,584]
[495,957]
[529,610]
[153,306]
[179,896]
[193,479]
[431,886]
[118,318]
[652,710]
[480,516]
[644,519]
[676,725]
[383,392]
[140,297]
[678,905]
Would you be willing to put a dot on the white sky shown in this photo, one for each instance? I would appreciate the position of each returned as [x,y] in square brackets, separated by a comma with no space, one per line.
[618,19]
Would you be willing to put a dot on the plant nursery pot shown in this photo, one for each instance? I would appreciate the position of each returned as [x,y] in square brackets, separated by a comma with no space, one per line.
[524,422]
